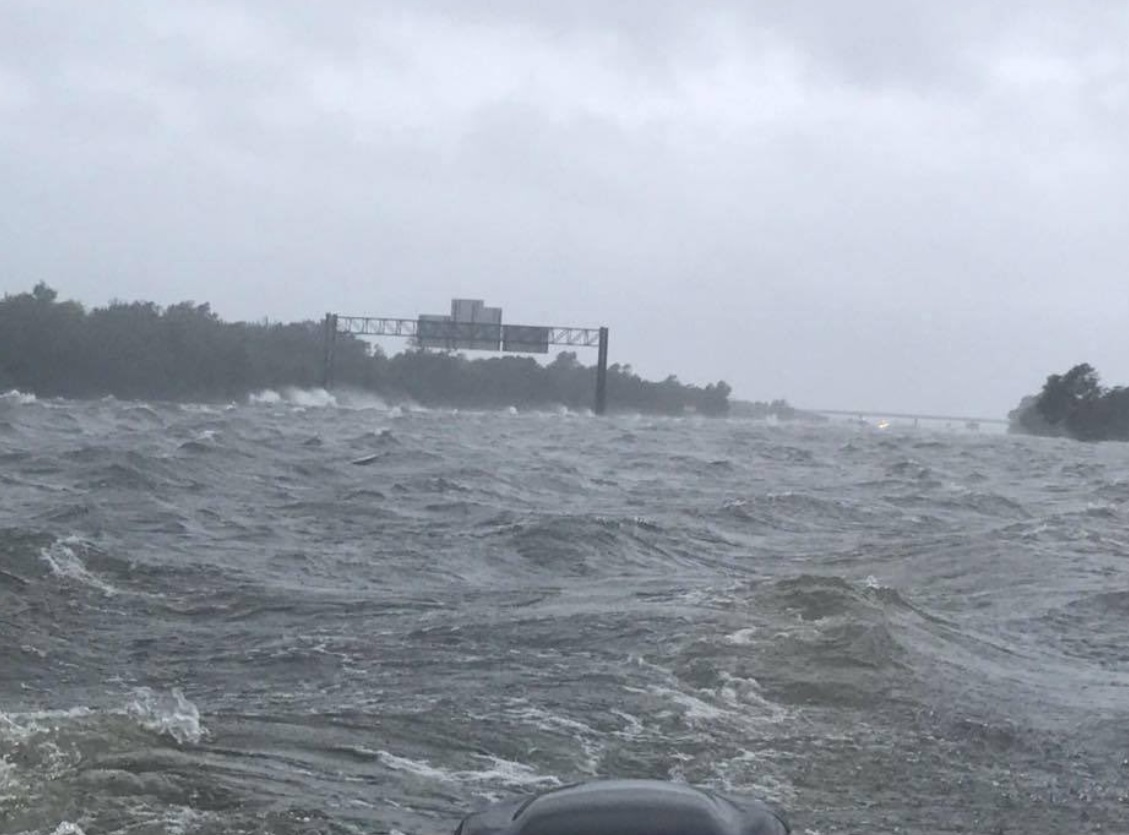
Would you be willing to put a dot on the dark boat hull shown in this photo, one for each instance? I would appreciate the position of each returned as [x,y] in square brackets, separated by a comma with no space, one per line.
[627,807]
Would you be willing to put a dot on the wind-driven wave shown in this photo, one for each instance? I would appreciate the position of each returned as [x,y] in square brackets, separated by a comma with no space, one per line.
[294,615]
[16,398]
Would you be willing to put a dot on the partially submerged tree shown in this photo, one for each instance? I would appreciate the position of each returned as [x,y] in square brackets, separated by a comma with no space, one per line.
[1075,405]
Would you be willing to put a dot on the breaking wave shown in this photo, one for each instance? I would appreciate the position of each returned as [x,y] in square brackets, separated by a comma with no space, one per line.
[167,713]
[16,398]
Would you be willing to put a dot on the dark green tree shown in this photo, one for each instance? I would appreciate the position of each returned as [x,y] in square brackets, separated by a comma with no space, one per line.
[1075,405]
[137,350]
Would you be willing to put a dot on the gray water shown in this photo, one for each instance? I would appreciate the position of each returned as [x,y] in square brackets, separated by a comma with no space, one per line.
[297,616]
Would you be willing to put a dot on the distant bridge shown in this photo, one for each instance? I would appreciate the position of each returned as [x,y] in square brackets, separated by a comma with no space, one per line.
[904,416]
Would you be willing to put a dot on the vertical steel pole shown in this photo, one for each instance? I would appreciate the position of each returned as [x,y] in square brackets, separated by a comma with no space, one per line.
[332,351]
[330,346]
[602,374]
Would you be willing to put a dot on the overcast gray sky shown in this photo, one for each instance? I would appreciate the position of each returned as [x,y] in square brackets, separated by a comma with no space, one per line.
[877,204]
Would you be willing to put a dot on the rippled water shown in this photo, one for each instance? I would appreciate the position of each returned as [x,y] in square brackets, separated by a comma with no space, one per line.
[296,616]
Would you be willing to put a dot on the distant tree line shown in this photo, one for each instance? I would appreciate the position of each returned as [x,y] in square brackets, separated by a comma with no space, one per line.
[138,350]
[1075,405]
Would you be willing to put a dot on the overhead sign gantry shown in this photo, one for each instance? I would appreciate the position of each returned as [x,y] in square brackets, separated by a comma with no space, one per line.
[471,326]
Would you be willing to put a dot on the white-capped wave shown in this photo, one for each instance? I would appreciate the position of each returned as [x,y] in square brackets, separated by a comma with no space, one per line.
[68,828]
[736,701]
[589,739]
[633,725]
[315,398]
[166,713]
[747,773]
[65,563]
[203,408]
[9,783]
[29,738]
[498,770]
[17,398]
[19,727]
[742,637]
[694,709]
[267,397]
[548,721]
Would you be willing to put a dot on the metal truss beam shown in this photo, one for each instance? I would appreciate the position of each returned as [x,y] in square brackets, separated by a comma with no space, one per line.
[409,328]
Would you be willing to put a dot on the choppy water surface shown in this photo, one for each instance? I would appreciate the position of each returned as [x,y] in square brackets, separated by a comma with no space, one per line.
[312,618]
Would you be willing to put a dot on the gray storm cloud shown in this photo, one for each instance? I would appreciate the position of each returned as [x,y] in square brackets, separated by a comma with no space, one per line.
[901,205]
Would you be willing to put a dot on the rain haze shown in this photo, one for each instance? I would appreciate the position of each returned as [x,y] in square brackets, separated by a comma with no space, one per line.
[913,206]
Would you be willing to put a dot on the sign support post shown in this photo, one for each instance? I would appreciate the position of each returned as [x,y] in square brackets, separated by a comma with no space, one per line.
[602,374]
[330,349]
